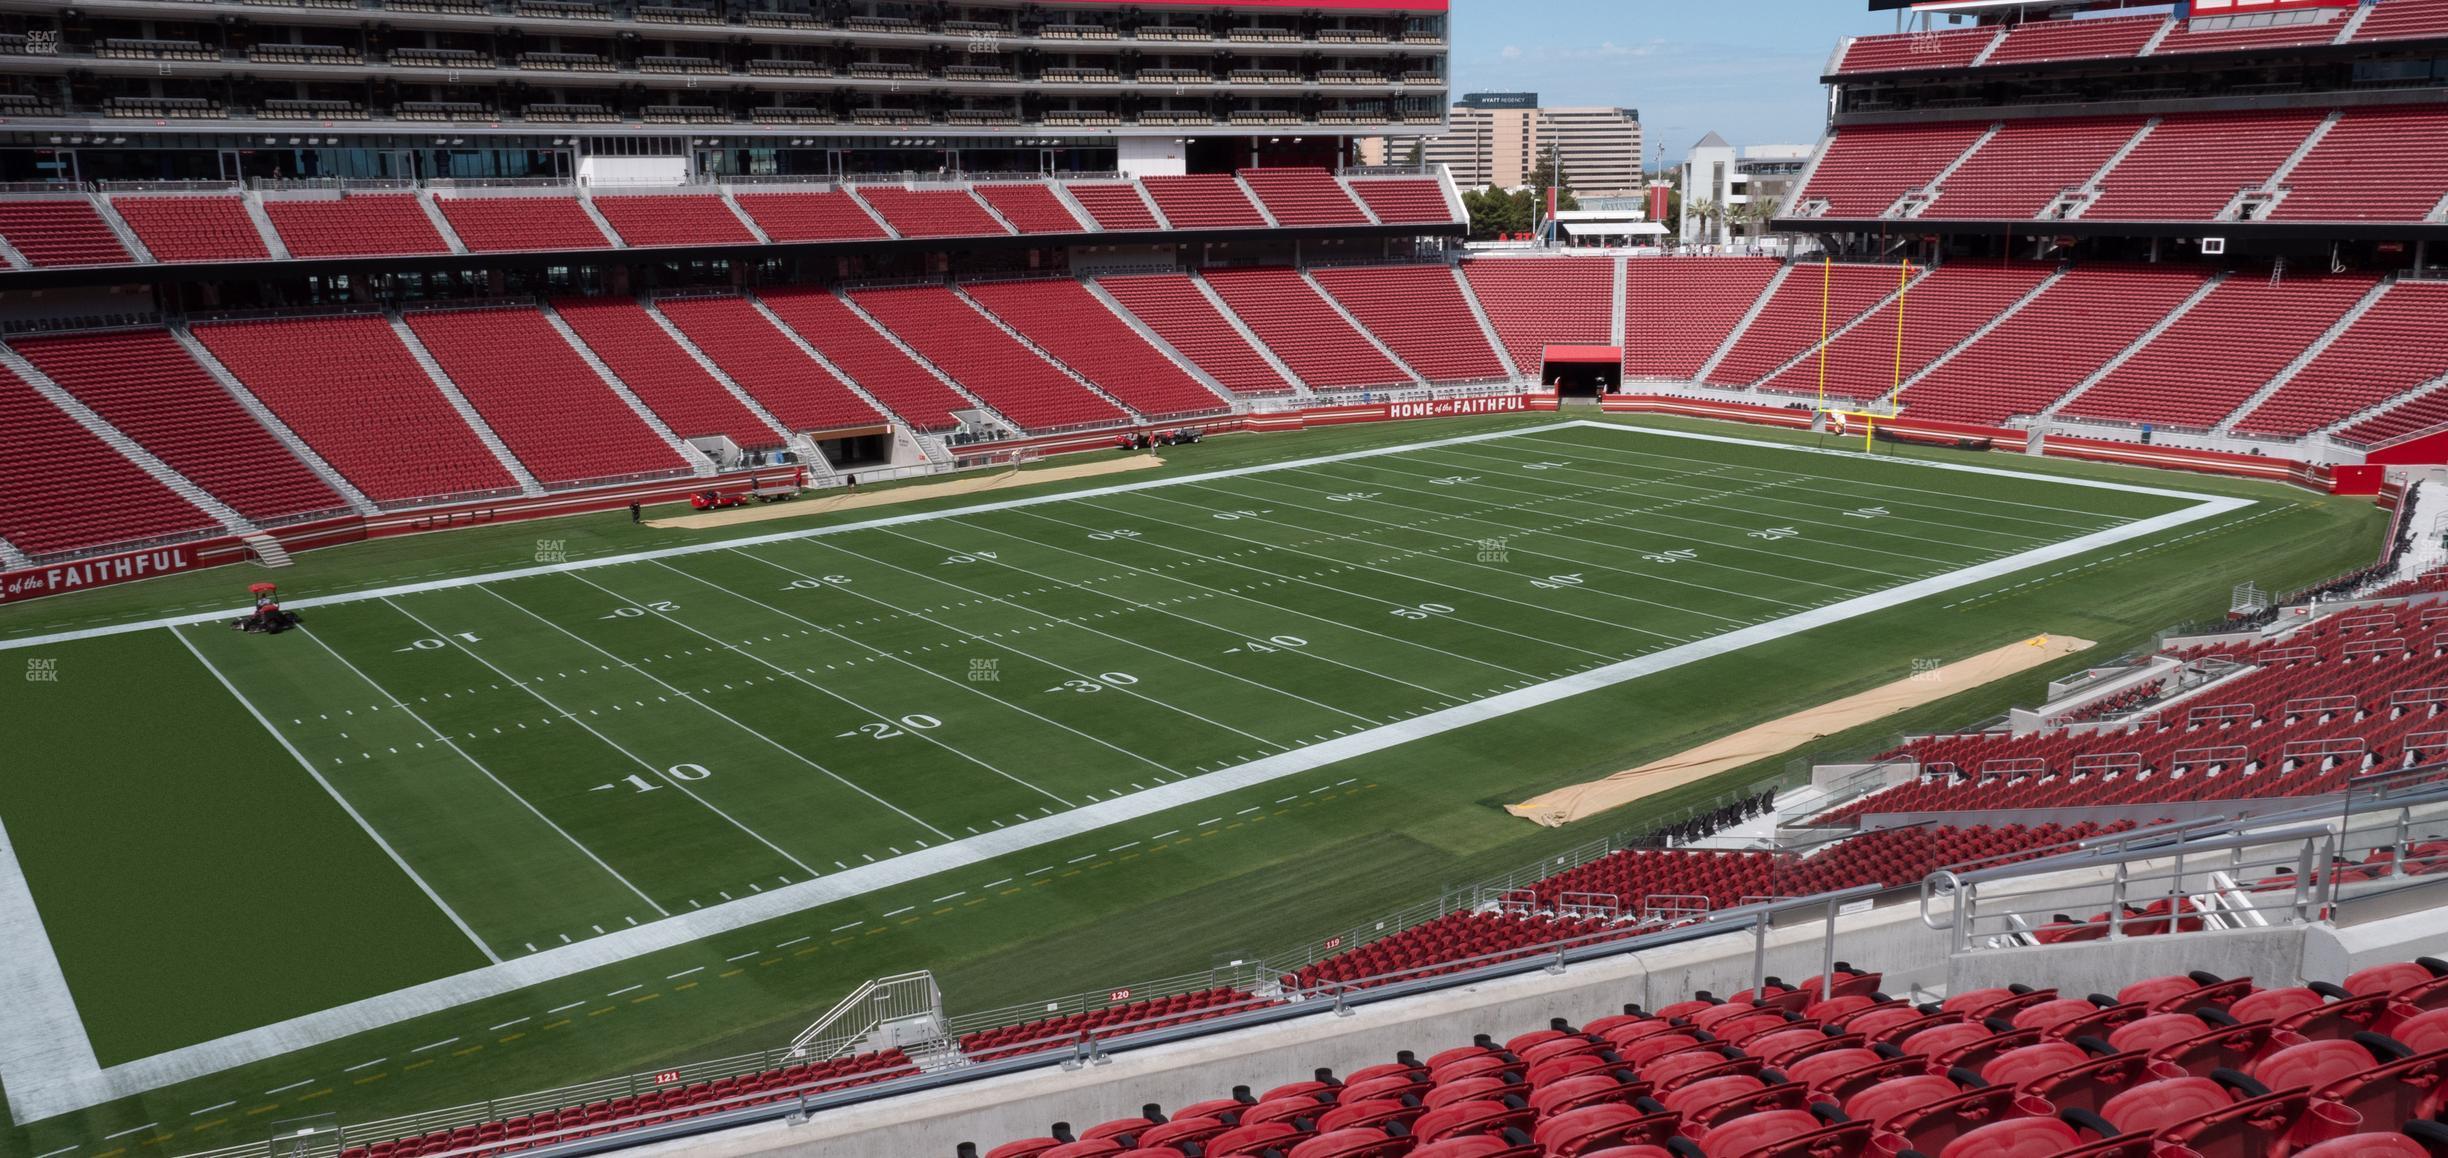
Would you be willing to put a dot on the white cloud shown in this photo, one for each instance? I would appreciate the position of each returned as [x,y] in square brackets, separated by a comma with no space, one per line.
[1511,52]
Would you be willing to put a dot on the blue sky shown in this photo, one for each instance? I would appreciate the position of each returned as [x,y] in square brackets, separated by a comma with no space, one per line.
[1748,70]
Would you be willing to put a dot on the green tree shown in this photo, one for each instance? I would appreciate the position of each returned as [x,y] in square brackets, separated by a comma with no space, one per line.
[1492,212]
[1549,170]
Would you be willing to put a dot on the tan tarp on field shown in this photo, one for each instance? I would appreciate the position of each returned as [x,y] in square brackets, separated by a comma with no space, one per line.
[849,500]
[1566,805]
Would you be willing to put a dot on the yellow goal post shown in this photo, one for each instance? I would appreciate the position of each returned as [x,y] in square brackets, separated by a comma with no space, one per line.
[1870,412]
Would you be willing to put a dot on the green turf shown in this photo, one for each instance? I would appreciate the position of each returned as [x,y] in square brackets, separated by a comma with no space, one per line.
[226,870]
[1413,819]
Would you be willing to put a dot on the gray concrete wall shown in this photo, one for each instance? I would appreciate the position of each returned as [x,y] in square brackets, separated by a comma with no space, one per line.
[997,1110]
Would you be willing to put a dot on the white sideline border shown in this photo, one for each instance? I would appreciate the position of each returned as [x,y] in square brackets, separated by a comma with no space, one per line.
[47,1062]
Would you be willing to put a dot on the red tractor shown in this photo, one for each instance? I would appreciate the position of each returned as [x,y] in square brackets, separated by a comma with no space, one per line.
[758,491]
[267,618]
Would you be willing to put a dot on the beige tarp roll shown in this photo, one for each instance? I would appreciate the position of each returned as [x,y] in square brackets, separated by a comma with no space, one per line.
[842,499]
[1776,737]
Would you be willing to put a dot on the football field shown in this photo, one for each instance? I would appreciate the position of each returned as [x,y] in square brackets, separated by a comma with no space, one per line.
[480,784]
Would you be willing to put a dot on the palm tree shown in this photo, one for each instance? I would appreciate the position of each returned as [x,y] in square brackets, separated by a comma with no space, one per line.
[1708,213]
[1755,215]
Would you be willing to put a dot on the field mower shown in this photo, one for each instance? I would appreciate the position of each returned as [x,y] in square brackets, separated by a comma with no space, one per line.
[267,618]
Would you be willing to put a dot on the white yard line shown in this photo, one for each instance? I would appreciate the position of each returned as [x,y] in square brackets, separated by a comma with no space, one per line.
[1514,530]
[652,769]
[926,736]
[788,536]
[1133,692]
[1464,593]
[1663,510]
[1823,479]
[473,762]
[1776,517]
[777,745]
[40,1031]
[1818,487]
[1308,652]
[1765,489]
[56,1082]
[1305,582]
[337,798]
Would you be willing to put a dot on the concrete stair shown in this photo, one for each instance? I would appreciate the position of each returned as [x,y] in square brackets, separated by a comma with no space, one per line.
[700,464]
[12,559]
[1354,194]
[1847,327]
[2089,192]
[1252,194]
[1487,328]
[1048,355]
[1249,335]
[872,211]
[1417,378]
[2150,335]
[817,356]
[2376,409]
[586,204]
[113,437]
[715,372]
[754,230]
[819,471]
[266,549]
[1616,299]
[119,226]
[1087,220]
[995,213]
[1914,202]
[1985,329]
[2158,38]
[2354,24]
[1767,292]
[441,224]
[271,422]
[263,226]
[467,410]
[1163,347]
[2319,345]
[913,355]
[932,448]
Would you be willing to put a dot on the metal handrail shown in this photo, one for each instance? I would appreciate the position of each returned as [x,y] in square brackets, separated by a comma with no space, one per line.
[2313,890]
[1325,999]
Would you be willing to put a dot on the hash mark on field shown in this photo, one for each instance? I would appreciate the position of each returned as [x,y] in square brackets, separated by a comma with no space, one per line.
[289,1087]
[365,1065]
[436,1045]
[202,1112]
[125,1133]
[506,1025]
[563,1008]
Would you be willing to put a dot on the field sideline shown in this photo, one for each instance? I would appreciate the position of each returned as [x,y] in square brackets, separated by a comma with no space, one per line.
[754,727]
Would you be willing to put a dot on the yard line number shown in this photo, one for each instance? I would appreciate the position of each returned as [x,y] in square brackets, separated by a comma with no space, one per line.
[893,729]
[437,644]
[1089,687]
[678,773]
[664,606]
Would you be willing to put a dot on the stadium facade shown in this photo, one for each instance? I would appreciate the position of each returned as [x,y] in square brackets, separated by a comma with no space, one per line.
[624,93]
[895,245]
